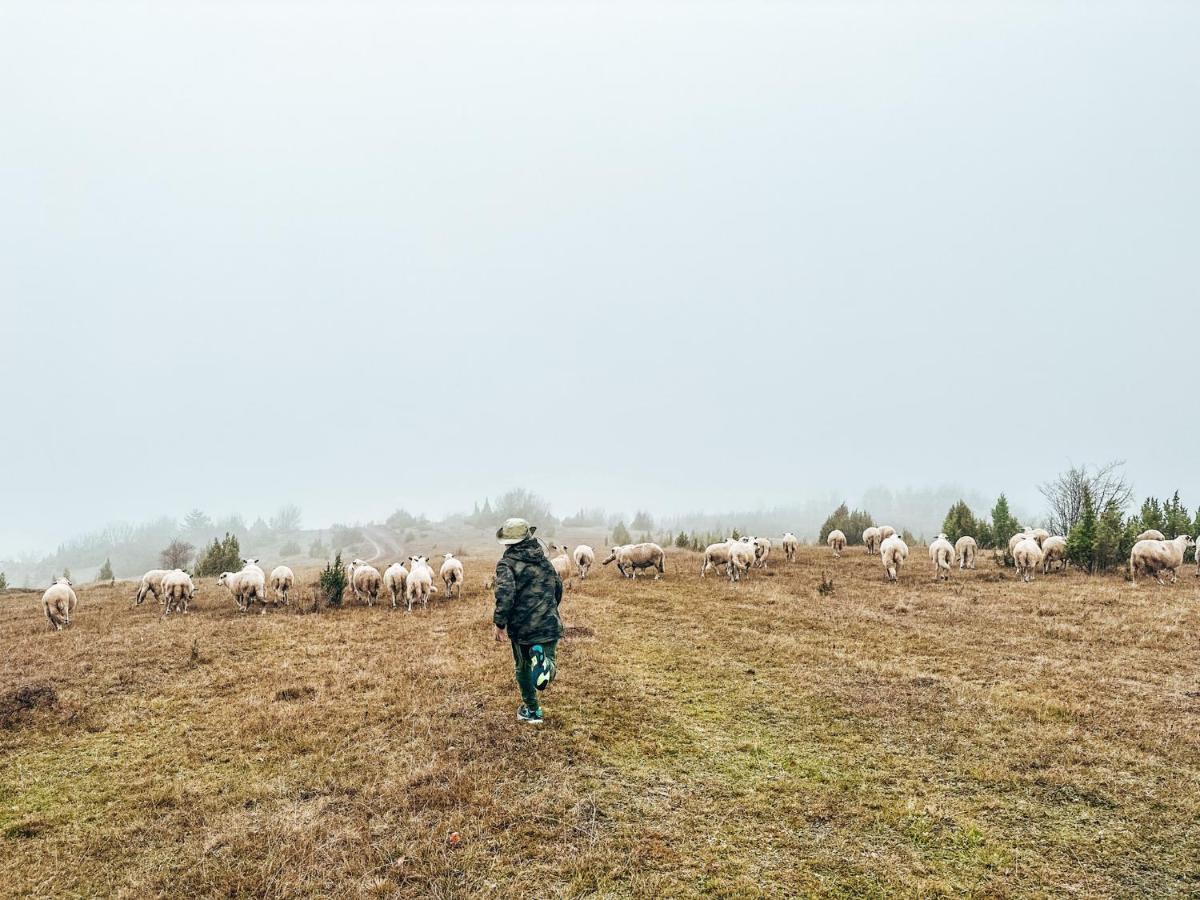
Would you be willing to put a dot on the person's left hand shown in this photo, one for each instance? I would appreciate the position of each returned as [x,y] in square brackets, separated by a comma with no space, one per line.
[499,634]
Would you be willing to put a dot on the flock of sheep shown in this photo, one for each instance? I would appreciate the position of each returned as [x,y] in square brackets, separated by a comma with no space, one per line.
[413,583]
[1030,549]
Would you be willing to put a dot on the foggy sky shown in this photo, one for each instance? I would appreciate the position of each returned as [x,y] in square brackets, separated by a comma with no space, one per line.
[673,256]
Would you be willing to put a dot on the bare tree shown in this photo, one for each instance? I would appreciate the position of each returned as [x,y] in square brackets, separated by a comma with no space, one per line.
[286,518]
[1064,495]
[177,554]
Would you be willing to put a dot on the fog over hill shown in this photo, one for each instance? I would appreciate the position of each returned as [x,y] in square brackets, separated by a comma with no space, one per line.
[716,256]
[290,533]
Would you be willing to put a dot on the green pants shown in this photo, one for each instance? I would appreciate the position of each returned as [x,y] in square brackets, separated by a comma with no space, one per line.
[529,692]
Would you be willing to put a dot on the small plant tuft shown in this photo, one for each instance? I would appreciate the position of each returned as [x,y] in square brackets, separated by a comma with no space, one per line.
[825,588]
[333,581]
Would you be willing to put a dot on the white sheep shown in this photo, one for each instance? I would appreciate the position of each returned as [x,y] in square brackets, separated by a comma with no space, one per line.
[762,549]
[452,575]
[966,548]
[245,586]
[941,554]
[282,581]
[365,581]
[741,559]
[715,556]
[1054,550]
[58,603]
[151,584]
[395,581]
[790,545]
[1016,539]
[561,562]
[871,539]
[1150,534]
[837,542]
[893,552]
[178,591]
[419,584]
[1039,535]
[1028,556]
[631,557]
[1156,557]
[885,532]
[585,558]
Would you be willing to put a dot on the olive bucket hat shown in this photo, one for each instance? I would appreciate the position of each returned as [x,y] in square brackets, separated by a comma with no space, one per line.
[513,531]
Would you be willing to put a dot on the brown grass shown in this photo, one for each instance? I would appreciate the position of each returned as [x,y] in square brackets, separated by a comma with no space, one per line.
[975,737]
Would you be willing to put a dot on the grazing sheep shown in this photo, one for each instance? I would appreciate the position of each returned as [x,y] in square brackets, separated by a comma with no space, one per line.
[1156,557]
[741,559]
[762,549]
[631,557]
[893,552]
[365,581]
[419,584]
[1039,535]
[151,584]
[452,575]
[178,591]
[790,545]
[282,580]
[395,580]
[245,586]
[1016,539]
[58,603]
[562,563]
[885,532]
[871,539]
[966,548]
[1054,550]
[1150,534]
[837,541]
[253,585]
[715,556]
[585,558]
[941,554]
[1028,556]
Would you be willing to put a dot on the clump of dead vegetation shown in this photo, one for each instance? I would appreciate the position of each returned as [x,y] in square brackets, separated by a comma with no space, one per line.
[15,703]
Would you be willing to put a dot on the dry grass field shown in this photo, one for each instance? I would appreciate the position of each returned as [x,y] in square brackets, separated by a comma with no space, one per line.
[980,737]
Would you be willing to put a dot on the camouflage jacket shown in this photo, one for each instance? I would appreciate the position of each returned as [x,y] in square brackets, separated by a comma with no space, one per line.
[528,592]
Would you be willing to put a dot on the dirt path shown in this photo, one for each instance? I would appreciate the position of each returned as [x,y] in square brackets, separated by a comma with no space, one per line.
[381,542]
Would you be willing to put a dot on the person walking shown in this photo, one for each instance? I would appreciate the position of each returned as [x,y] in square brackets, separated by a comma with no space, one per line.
[528,592]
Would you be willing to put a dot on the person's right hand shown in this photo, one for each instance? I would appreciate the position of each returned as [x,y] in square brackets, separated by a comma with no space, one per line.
[499,634]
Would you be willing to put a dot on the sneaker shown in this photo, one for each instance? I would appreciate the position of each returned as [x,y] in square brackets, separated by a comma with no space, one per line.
[541,667]
[529,716]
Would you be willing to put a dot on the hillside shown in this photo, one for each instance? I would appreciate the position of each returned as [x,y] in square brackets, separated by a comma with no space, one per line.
[981,736]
